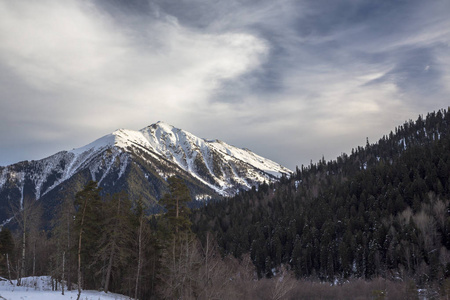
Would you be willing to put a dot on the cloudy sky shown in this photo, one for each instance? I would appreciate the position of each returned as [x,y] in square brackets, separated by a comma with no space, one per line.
[291,80]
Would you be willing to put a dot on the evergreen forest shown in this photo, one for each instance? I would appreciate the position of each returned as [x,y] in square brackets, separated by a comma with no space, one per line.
[382,211]
[375,221]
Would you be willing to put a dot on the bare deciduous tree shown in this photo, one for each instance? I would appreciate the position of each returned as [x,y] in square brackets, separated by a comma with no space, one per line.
[27,214]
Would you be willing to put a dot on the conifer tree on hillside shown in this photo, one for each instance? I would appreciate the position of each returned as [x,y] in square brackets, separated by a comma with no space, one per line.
[382,210]
[175,202]
[141,243]
[116,234]
[87,224]
[6,249]
[179,254]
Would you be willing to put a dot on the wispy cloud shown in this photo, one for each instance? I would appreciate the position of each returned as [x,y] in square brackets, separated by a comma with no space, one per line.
[289,79]
[82,70]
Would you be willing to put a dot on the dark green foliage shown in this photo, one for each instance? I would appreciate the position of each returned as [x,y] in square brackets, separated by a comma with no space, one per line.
[146,250]
[115,240]
[175,202]
[88,220]
[6,242]
[7,246]
[381,210]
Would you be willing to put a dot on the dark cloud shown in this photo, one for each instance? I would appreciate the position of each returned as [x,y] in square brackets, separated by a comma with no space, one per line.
[415,72]
[284,78]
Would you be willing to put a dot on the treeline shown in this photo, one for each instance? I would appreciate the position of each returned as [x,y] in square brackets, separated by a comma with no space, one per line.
[94,243]
[382,211]
[110,243]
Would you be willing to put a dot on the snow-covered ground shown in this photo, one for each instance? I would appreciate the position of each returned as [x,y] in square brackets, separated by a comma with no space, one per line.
[38,288]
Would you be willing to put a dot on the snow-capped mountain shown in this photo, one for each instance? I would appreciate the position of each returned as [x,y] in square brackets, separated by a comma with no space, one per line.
[139,162]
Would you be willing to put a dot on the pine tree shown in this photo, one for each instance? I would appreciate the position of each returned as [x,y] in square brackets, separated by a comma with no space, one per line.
[142,239]
[179,253]
[87,224]
[6,248]
[175,202]
[116,233]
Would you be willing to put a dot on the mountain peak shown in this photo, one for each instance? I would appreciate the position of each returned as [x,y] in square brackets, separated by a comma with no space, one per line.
[163,125]
[139,162]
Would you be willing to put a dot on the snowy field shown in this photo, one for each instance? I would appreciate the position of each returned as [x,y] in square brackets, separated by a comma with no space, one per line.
[38,288]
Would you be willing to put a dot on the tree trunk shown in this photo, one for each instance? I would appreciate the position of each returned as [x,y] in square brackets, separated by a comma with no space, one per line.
[79,249]
[79,264]
[153,274]
[26,213]
[69,282]
[34,259]
[113,249]
[62,276]
[206,259]
[22,269]
[108,270]
[139,266]
[9,269]
[18,272]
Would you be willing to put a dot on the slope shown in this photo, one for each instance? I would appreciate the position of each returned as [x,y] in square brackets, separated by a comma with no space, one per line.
[381,211]
[139,163]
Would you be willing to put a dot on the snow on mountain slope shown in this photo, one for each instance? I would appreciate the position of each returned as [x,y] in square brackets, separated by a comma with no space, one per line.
[172,142]
[221,167]
[199,156]
[251,158]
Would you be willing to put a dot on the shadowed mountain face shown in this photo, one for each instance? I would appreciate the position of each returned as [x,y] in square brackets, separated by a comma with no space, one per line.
[139,163]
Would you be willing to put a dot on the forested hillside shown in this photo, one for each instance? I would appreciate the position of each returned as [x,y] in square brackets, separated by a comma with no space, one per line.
[383,211]
[137,163]
[372,223]
[111,243]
